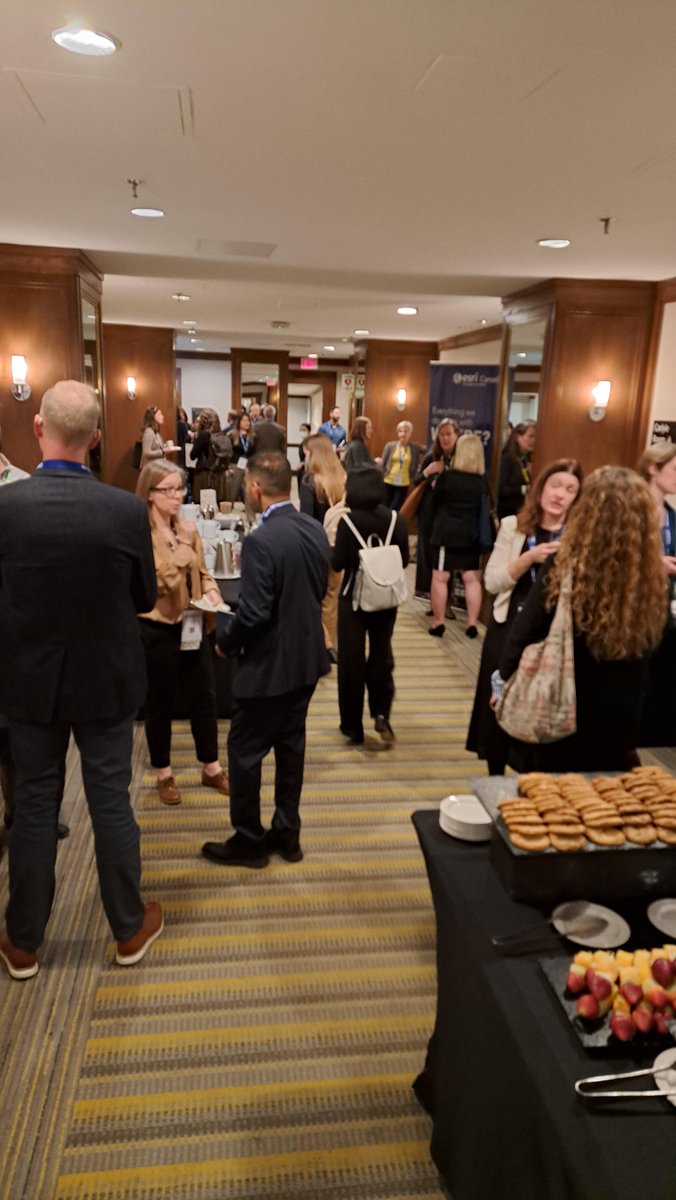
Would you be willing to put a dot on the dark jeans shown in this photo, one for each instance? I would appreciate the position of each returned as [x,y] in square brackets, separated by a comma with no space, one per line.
[356,672]
[258,726]
[39,753]
[170,668]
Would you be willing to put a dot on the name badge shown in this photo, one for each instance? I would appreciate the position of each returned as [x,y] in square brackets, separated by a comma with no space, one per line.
[241,462]
[397,479]
[191,629]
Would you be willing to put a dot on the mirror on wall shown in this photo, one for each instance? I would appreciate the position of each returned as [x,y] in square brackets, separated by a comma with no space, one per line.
[91,359]
[260,382]
[526,345]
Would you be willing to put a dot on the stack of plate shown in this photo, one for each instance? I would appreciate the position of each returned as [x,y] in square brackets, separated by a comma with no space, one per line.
[466,818]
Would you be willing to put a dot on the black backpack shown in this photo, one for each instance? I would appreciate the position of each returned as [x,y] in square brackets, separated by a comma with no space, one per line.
[220,452]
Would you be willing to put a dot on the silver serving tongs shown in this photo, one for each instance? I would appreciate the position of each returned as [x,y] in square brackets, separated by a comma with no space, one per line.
[588,1087]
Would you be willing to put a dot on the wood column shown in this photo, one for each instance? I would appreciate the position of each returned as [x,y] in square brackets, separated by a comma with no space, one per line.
[147,354]
[598,329]
[389,366]
[41,290]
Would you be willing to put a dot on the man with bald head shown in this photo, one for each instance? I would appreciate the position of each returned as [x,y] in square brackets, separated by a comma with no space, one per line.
[76,565]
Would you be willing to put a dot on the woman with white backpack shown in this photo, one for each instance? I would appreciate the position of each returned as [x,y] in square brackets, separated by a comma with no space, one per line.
[374,524]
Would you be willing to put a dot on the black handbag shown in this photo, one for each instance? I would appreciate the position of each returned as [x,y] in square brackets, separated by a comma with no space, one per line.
[136,454]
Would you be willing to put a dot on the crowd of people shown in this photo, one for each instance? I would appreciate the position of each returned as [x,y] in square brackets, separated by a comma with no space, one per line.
[134,616]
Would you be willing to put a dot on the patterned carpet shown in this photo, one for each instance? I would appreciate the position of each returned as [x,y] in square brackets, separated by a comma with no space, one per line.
[267,1045]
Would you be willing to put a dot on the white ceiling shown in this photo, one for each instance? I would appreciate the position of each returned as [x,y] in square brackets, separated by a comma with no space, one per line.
[389,151]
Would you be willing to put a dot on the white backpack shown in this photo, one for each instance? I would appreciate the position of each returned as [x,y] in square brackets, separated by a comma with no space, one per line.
[380,582]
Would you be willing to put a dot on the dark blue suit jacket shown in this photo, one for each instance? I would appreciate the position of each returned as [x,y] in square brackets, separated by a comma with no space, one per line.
[278,626]
[76,565]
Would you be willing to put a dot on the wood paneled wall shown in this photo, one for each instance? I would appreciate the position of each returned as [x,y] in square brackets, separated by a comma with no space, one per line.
[40,291]
[390,366]
[148,355]
[597,330]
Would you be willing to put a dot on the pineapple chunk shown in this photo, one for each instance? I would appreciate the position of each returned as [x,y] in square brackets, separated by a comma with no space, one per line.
[584,958]
[630,975]
[620,1005]
[624,958]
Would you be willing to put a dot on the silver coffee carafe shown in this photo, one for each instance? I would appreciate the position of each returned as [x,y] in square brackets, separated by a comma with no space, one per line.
[223,558]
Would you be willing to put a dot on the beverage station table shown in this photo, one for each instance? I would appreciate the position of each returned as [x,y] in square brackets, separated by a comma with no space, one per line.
[501,1066]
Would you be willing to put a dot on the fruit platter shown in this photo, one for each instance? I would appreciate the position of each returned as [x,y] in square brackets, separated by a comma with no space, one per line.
[613,998]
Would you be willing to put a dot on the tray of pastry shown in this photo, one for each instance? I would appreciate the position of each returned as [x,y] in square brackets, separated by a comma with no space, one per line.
[539,813]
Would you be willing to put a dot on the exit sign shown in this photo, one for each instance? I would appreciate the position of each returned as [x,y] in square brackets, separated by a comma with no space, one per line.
[308,364]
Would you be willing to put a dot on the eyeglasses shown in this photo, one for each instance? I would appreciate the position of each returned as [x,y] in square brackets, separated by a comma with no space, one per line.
[170,491]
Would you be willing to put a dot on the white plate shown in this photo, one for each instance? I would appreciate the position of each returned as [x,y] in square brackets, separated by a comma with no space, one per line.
[466,818]
[666,1080]
[215,575]
[569,920]
[662,914]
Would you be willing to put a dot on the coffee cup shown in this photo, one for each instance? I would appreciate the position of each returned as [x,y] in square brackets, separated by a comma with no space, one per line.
[210,529]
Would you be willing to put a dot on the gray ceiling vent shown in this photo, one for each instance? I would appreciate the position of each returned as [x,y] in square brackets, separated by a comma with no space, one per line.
[218,249]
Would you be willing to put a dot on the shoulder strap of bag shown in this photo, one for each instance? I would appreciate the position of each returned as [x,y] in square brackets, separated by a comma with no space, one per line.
[393,521]
[355,531]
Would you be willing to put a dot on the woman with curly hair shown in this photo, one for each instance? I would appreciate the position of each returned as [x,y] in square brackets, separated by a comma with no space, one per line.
[522,544]
[611,551]
[658,467]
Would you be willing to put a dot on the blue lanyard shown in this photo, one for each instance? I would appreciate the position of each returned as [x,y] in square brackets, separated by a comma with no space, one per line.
[271,509]
[531,541]
[244,442]
[666,532]
[63,464]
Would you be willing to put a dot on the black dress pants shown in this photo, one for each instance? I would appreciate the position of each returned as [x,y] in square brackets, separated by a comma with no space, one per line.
[356,671]
[170,668]
[39,753]
[257,726]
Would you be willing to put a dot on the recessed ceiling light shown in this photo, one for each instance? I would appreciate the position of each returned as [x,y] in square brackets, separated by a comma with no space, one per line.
[329,347]
[147,212]
[313,356]
[521,355]
[554,243]
[80,40]
[361,332]
[407,310]
[345,339]
[186,322]
[180,296]
[483,321]
[195,339]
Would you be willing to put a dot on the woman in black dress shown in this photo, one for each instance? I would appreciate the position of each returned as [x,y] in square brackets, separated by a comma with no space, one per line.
[322,486]
[365,498]
[522,545]
[455,537]
[438,458]
[658,726]
[515,460]
[611,550]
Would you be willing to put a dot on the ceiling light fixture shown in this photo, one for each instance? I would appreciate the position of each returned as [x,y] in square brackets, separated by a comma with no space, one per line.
[280,324]
[361,332]
[142,212]
[329,347]
[196,339]
[187,322]
[20,389]
[80,40]
[553,243]
[180,296]
[407,310]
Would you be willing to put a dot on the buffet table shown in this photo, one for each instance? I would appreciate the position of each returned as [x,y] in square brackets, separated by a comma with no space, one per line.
[502,1062]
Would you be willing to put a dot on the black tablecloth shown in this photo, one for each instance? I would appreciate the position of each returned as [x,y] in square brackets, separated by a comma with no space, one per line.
[502,1063]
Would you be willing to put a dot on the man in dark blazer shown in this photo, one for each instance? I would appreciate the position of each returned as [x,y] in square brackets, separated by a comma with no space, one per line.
[76,565]
[277,633]
[268,435]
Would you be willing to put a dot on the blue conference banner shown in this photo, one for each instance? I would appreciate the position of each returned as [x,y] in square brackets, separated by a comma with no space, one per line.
[468,395]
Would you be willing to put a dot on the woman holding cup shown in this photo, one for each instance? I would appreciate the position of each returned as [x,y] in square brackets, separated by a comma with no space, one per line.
[174,634]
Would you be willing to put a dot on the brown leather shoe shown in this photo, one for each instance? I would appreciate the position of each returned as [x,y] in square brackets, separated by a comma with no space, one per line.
[168,792]
[20,963]
[132,950]
[219,781]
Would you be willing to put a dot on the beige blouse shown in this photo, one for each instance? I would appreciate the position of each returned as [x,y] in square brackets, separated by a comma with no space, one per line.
[152,445]
[175,568]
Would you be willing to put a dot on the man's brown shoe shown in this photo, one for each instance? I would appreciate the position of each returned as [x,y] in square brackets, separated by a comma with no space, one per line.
[218,781]
[132,950]
[20,963]
[168,792]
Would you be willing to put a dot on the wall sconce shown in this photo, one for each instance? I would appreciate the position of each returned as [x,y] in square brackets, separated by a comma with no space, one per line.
[131,387]
[401,399]
[601,394]
[20,389]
